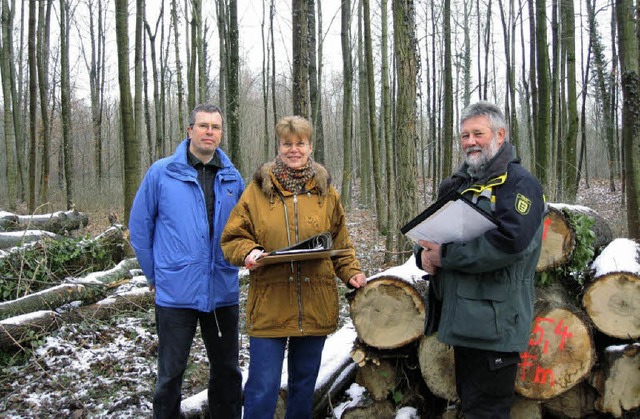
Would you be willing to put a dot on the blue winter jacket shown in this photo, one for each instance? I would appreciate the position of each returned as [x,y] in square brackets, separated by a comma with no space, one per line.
[170,233]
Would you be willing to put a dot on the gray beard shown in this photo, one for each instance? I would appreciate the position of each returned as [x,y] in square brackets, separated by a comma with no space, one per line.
[476,163]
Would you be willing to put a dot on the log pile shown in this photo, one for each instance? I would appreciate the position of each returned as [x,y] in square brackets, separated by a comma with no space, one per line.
[583,357]
[37,314]
[60,222]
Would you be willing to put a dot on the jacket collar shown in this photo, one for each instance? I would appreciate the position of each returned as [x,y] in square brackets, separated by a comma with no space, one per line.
[496,167]
[269,184]
[180,159]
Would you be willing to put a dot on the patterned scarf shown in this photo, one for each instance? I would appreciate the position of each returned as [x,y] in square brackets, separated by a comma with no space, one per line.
[292,180]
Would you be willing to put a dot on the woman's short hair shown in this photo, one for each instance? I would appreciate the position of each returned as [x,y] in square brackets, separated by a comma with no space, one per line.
[295,125]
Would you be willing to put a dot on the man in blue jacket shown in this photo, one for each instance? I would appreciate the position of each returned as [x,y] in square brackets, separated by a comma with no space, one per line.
[176,221]
[481,291]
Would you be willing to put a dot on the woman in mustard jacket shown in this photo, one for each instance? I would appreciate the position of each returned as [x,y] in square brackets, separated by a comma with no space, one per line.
[291,305]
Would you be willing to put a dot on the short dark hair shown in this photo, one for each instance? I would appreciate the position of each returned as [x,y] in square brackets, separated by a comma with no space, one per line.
[490,110]
[206,108]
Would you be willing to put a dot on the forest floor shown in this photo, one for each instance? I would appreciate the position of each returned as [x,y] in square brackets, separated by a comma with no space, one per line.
[107,369]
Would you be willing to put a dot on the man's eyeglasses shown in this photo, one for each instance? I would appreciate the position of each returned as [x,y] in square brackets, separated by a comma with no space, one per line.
[208,127]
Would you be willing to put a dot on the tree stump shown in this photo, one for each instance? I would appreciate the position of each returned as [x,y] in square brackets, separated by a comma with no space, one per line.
[438,367]
[618,380]
[559,237]
[389,312]
[368,409]
[612,299]
[561,352]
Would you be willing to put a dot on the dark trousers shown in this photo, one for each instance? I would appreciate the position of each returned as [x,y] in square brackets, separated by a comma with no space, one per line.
[176,330]
[485,381]
[265,370]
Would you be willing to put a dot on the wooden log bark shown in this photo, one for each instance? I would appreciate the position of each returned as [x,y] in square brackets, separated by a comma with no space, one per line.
[561,352]
[559,237]
[438,367]
[379,380]
[18,238]
[525,409]
[577,402]
[618,381]
[15,331]
[58,222]
[612,298]
[90,287]
[389,312]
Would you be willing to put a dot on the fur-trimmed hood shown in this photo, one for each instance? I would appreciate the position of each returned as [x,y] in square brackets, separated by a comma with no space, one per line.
[268,183]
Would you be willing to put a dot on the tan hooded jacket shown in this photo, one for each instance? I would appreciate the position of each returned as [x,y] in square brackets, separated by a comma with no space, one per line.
[293,298]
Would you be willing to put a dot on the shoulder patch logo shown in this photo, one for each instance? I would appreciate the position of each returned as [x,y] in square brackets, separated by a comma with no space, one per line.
[523,204]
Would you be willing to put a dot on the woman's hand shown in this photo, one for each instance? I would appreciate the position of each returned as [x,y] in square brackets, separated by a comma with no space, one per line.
[358,280]
[252,258]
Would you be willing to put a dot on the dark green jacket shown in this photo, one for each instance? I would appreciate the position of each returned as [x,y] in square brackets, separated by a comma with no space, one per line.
[483,294]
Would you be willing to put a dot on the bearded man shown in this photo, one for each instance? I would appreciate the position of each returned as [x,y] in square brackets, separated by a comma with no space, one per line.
[481,291]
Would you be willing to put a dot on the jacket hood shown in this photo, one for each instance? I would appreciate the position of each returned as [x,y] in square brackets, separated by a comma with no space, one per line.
[269,185]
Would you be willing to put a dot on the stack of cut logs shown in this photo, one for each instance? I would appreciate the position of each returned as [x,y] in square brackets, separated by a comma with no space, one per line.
[583,358]
[32,316]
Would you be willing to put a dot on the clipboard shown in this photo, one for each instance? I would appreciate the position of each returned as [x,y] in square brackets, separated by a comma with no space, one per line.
[270,259]
[452,218]
[315,247]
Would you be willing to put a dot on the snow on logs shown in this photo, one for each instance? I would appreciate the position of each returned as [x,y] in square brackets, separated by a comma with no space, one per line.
[612,298]
[57,222]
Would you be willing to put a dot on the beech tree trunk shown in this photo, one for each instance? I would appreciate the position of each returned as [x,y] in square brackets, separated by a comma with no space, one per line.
[577,402]
[379,379]
[390,311]
[14,332]
[561,352]
[559,237]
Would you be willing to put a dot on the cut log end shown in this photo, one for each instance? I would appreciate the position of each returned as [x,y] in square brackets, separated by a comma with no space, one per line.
[388,313]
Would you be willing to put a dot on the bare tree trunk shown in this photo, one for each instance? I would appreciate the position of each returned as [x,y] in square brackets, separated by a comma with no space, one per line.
[65,94]
[223,29]
[131,144]
[315,78]
[233,98]
[176,44]
[44,25]
[138,107]
[158,149]
[6,56]
[541,166]
[629,53]
[364,136]
[388,141]
[347,103]
[406,132]
[265,85]
[300,88]
[33,106]
[571,133]
[373,126]
[447,123]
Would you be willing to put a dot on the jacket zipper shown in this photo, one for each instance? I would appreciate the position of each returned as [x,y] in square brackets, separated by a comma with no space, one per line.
[298,281]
